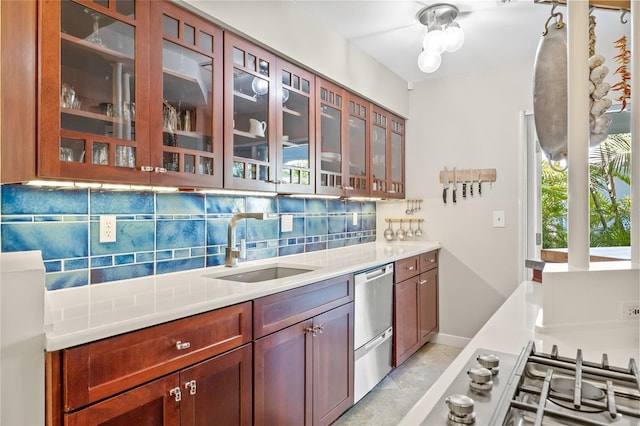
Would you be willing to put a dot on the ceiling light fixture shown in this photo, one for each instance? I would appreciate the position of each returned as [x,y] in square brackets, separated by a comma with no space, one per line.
[444,34]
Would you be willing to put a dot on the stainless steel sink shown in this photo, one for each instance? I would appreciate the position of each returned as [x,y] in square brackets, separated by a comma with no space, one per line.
[259,275]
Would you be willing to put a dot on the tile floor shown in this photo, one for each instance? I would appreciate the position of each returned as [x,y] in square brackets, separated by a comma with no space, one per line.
[394,396]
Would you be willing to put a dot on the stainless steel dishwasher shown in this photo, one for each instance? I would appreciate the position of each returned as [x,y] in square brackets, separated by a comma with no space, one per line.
[373,320]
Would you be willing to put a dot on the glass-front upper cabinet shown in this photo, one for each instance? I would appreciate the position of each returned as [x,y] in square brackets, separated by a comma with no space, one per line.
[396,154]
[331,132]
[358,147]
[250,76]
[296,129]
[186,103]
[380,124]
[93,77]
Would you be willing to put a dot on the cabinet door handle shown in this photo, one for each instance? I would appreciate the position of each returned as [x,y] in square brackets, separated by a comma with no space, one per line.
[410,268]
[191,385]
[320,328]
[182,345]
[431,260]
[422,282]
[312,330]
[175,392]
[160,170]
[146,168]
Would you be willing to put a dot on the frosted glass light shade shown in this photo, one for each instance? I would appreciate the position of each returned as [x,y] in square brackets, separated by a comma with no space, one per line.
[429,61]
[454,37]
[434,41]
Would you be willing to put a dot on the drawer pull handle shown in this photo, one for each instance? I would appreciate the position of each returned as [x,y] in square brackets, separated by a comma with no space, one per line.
[175,392]
[315,329]
[182,345]
[431,260]
[191,385]
[160,170]
[146,168]
[410,268]
[422,282]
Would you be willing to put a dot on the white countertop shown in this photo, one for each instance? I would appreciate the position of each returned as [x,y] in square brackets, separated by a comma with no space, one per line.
[80,315]
[513,325]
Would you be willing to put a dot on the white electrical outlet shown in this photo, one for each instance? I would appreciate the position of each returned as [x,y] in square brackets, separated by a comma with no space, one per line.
[286,223]
[630,310]
[498,219]
[355,218]
[108,228]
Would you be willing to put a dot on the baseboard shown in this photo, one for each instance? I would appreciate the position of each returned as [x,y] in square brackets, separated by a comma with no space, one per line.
[450,340]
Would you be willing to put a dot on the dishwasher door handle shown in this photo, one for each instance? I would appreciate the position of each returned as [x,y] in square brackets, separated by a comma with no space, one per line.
[378,340]
[385,270]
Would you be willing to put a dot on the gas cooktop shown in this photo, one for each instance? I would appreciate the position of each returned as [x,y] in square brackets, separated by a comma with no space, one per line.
[540,389]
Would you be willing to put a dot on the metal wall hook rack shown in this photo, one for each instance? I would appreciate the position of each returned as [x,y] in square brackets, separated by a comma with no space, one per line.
[404,220]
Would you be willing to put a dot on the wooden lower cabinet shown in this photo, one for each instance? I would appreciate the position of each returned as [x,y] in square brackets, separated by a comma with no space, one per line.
[415,304]
[405,294]
[215,391]
[303,374]
[427,305]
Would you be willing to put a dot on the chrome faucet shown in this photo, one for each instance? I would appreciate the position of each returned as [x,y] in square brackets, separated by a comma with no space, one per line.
[231,253]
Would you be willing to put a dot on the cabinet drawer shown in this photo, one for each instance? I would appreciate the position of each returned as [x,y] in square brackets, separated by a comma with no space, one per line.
[428,260]
[277,311]
[406,268]
[103,368]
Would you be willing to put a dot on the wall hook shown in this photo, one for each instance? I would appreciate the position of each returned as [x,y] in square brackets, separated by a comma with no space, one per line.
[624,12]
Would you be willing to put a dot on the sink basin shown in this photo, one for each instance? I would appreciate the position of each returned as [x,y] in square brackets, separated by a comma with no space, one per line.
[264,274]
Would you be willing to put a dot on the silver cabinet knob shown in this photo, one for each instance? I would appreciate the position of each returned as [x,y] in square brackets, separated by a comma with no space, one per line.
[182,345]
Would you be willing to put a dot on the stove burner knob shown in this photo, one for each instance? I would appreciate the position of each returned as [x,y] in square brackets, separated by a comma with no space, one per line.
[490,362]
[460,406]
[480,379]
[479,375]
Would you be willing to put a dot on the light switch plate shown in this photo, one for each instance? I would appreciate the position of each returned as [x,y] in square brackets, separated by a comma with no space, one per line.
[286,224]
[355,218]
[498,219]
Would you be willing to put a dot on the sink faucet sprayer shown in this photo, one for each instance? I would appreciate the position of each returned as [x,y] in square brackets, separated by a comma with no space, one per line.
[231,253]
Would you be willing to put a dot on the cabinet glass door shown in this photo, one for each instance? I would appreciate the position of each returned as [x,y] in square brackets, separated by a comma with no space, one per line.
[379,148]
[250,72]
[358,152]
[296,136]
[396,188]
[191,112]
[329,161]
[98,84]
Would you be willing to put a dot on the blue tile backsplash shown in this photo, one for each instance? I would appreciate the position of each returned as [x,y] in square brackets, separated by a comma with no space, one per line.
[159,233]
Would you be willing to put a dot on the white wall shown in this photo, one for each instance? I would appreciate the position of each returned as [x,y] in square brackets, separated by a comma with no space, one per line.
[468,121]
[293,33]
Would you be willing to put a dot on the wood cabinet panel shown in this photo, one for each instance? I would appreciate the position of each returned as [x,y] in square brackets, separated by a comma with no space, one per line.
[274,312]
[333,365]
[219,389]
[282,380]
[406,268]
[427,305]
[18,96]
[112,365]
[428,260]
[150,404]
[405,333]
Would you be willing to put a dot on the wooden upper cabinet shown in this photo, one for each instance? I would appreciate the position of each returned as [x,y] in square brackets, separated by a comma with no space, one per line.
[359,170]
[331,136]
[397,160]
[387,154]
[249,116]
[94,90]
[186,99]
[295,110]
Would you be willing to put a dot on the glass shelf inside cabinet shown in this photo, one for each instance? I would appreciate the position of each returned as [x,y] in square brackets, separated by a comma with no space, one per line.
[250,116]
[97,74]
[187,109]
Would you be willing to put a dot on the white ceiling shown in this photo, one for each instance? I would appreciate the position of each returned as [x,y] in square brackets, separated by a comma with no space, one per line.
[496,32]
